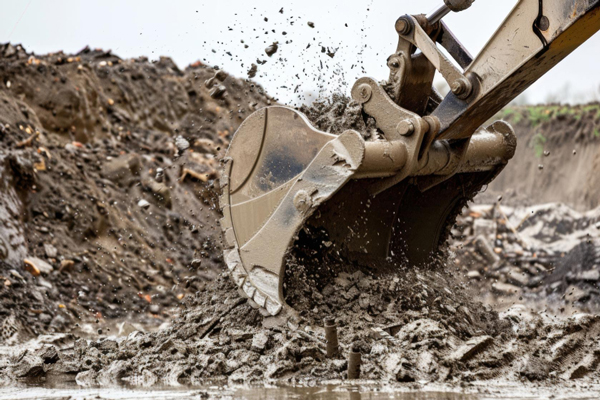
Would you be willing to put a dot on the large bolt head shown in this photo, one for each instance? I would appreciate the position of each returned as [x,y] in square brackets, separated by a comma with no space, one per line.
[544,23]
[405,128]
[456,88]
[403,26]
[302,201]
[461,88]
[393,63]
[364,92]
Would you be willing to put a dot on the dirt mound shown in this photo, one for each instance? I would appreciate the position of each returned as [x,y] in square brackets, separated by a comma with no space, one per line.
[557,157]
[107,192]
[219,336]
[435,334]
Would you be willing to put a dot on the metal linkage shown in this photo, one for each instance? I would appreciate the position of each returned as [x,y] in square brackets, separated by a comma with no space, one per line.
[439,13]
[409,28]
[448,6]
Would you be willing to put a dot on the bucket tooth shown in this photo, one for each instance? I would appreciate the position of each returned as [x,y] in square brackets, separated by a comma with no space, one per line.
[249,289]
[259,298]
[272,306]
[238,274]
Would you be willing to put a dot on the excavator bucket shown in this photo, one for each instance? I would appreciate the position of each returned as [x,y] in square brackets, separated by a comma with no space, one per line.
[396,195]
[279,170]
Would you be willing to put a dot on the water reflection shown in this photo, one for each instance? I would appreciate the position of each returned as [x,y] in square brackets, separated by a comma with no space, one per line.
[215,392]
[345,393]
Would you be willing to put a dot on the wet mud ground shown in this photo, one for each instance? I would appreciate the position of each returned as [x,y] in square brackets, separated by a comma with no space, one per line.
[334,391]
[112,272]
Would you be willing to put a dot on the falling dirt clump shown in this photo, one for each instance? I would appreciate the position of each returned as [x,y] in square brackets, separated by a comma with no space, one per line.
[337,114]
[272,49]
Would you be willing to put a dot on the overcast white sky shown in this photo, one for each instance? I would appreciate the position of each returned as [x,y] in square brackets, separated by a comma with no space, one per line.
[186,30]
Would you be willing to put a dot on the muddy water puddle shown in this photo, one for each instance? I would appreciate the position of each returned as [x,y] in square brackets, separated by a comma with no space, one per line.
[69,390]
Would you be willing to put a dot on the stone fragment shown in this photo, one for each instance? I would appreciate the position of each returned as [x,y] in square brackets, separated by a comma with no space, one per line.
[574,293]
[277,370]
[108,346]
[50,250]
[505,289]
[35,266]
[516,276]
[259,342]
[351,294]
[48,354]
[113,373]
[143,204]
[272,49]
[181,143]
[474,274]
[343,280]
[29,366]
[239,336]
[218,91]
[483,247]
[86,378]
[66,264]
[252,71]
[589,275]
[160,191]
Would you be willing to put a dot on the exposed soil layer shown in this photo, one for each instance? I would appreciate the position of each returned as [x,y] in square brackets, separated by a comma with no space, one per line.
[109,169]
[557,157]
[107,183]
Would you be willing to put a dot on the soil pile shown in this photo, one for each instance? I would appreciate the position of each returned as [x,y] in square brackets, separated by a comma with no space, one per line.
[108,169]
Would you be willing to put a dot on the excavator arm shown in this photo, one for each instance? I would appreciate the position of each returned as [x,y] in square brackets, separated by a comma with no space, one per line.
[535,36]
[392,197]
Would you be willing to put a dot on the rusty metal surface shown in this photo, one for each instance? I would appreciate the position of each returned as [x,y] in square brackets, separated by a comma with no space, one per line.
[458,5]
